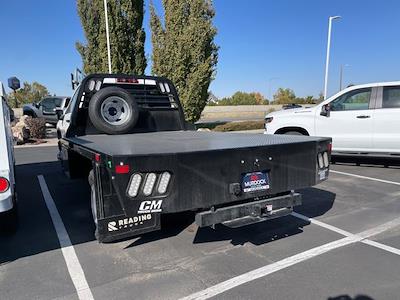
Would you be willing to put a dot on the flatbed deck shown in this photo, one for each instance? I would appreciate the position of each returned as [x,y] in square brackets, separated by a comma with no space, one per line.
[170,142]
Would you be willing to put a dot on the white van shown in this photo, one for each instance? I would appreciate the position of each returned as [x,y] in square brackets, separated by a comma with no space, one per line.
[8,199]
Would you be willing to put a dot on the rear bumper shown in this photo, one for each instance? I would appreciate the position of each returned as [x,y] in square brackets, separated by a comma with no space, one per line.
[6,202]
[262,210]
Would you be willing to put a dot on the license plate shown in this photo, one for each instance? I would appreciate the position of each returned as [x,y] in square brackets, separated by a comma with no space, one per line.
[255,181]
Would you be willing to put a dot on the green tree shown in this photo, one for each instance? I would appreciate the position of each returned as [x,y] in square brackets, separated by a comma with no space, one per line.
[306,100]
[126,36]
[184,50]
[30,92]
[284,96]
[242,98]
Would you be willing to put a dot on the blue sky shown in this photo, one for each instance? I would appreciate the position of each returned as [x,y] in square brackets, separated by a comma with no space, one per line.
[264,44]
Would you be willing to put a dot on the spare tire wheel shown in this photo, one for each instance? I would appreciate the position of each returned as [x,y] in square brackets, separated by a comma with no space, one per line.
[113,110]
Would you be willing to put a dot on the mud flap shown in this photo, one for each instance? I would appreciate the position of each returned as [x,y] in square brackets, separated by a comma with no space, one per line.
[120,227]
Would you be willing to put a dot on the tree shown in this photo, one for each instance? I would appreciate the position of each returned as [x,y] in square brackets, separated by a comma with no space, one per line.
[306,100]
[242,98]
[184,50]
[30,92]
[126,36]
[284,96]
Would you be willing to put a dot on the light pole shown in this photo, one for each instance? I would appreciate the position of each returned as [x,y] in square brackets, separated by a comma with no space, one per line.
[341,75]
[328,49]
[108,37]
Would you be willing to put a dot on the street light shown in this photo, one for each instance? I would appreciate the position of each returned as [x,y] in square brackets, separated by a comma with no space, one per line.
[108,37]
[341,75]
[328,49]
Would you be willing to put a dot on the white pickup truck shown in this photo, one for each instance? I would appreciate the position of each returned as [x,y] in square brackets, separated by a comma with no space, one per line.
[8,200]
[362,120]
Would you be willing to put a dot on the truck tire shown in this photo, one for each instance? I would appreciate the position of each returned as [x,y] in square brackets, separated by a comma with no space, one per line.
[293,133]
[113,110]
[93,200]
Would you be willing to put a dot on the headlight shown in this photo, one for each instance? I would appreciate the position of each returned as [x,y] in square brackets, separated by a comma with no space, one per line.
[268,120]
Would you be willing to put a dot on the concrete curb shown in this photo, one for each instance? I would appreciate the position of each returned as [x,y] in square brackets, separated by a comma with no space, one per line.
[48,143]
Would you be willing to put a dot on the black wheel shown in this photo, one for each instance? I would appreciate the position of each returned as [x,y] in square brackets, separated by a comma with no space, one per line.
[9,221]
[113,110]
[93,200]
[293,133]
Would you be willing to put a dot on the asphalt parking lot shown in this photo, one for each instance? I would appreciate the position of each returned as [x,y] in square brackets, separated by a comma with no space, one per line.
[343,243]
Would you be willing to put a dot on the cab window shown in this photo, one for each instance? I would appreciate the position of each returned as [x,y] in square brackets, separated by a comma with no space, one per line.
[354,100]
[391,97]
[72,101]
[48,104]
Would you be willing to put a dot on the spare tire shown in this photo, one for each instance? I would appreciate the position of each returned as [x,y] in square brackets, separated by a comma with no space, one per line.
[113,110]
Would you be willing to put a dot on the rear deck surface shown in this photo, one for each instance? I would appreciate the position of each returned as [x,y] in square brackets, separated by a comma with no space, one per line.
[170,142]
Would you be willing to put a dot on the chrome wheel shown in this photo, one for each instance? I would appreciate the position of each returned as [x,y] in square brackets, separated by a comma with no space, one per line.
[115,110]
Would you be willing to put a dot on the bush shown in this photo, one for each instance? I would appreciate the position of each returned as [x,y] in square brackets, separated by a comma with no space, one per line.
[37,127]
[236,126]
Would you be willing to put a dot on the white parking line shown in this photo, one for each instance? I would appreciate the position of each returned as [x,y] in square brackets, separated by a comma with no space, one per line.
[268,269]
[321,224]
[74,267]
[382,246]
[303,256]
[365,177]
[363,235]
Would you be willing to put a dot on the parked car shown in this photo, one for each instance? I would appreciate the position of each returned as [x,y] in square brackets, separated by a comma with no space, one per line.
[8,200]
[362,120]
[46,108]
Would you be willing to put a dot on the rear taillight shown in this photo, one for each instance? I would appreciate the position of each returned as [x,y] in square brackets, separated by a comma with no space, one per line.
[127,80]
[330,148]
[4,184]
[122,169]
[326,159]
[323,160]
[149,184]
[164,181]
[134,185]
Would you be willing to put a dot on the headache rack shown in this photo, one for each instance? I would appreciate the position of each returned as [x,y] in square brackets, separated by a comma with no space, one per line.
[156,97]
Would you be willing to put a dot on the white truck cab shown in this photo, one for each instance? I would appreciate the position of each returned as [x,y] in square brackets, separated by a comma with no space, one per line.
[361,119]
[8,209]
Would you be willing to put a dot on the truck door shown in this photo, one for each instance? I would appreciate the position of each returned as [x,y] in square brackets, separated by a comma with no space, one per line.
[386,122]
[350,121]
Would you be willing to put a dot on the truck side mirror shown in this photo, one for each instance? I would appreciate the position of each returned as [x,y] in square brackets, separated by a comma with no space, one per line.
[59,113]
[326,110]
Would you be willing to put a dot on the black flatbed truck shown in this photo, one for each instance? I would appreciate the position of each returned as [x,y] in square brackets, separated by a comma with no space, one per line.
[163,166]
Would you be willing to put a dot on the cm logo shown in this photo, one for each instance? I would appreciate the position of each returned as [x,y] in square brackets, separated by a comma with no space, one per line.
[150,206]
